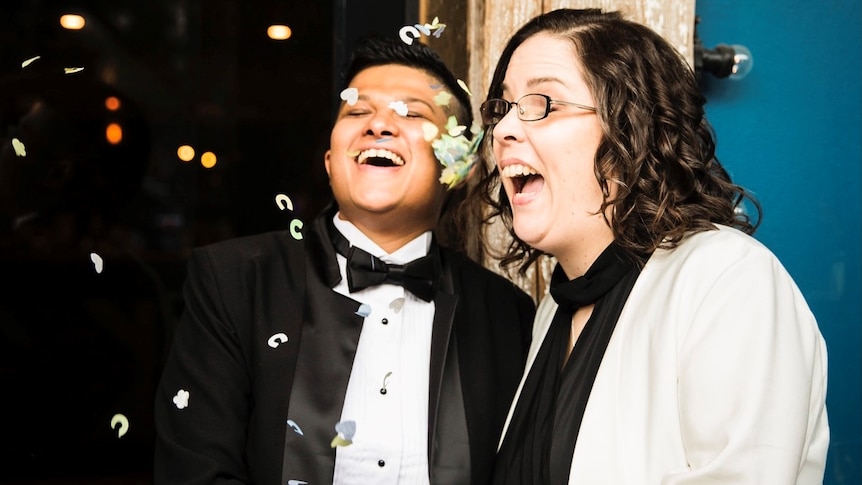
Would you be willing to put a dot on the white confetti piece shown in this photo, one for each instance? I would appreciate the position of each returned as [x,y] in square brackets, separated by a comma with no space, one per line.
[19,147]
[439,31]
[397,304]
[30,61]
[277,340]
[464,87]
[346,430]
[283,202]
[182,399]
[399,107]
[97,262]
[123,423]
[442,98]
[297,482]
[424,29]
[406,32]
[295,427]
[364,310]
[350,95]
[295,228]
[72,70]
[429,131]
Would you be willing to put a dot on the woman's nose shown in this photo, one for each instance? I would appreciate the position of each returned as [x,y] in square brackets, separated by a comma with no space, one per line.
[509,127]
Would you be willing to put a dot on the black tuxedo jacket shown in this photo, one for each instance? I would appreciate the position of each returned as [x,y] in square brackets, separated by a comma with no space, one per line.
[265,348]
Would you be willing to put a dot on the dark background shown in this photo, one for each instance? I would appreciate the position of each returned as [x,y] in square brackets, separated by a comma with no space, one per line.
[77,346]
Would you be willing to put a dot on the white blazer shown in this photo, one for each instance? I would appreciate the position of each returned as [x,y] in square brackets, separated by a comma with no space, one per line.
[715,373]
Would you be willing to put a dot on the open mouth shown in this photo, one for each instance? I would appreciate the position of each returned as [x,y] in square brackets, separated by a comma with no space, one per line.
[380,158]
[524,178]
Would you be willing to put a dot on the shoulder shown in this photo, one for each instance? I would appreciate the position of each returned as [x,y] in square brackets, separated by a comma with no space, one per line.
[477,277]
[273,244]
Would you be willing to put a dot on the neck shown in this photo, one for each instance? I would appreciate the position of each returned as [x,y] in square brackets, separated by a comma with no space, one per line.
[576,262]
[390,237]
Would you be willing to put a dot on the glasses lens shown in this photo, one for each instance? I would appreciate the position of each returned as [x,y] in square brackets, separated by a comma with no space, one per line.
[493,110]
[533,107]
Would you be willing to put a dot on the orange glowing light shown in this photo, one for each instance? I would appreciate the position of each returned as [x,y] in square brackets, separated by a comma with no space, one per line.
[114,133]
[72,21]
[208,159]
[112,103]
[279,32]
[186,153]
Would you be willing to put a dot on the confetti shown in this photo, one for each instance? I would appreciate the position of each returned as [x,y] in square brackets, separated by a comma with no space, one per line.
[364,310]
[297,482]
[439,31]
[453,128]
[72,70]
[397,304]
[383,140]
[30,61]
[182,399]
[442,98]
[19,148]
[352,154]
[430,131]
[350,95]
[295,427]
[121,420]
[464,87]
[97,262]
[424,29]
[399,107]
[345,431]
[283,202]
[277,340]
[408,29]
[295,228]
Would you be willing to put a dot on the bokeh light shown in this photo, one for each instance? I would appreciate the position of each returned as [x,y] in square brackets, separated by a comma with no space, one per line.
[114,133]
[72,21]
[208,159]
[279,32]
[186,153]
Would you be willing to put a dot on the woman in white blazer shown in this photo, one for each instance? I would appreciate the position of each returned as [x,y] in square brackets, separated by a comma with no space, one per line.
[675,348]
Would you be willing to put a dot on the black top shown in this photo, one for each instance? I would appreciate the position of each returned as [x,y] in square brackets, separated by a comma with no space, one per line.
[540,440]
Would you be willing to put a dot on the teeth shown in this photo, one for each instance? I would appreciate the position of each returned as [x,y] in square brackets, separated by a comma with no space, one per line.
[517,171]
[380,153]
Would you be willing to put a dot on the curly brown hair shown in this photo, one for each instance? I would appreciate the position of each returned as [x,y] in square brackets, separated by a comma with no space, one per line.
[657,146]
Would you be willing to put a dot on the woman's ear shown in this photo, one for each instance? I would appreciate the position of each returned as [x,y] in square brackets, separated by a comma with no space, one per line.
[326,161]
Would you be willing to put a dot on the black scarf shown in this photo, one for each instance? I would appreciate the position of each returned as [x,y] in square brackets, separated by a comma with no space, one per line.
[540,440]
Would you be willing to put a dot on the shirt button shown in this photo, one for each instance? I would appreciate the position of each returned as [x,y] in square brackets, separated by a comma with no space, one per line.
[385,321]
[381,463]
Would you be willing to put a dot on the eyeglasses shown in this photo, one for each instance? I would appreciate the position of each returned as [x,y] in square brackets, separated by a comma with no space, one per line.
[531,107]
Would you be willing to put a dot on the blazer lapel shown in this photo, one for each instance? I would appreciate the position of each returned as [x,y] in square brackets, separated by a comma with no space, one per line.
[448,443]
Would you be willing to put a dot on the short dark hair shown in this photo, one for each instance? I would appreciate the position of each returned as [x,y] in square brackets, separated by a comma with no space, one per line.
[374,50]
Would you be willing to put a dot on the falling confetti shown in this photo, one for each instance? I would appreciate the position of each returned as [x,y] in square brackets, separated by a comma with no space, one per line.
[30,61]
[350,95]
[399,107]
[464,87]
[283,202]
[19,148]
[72,70]
[97,262]
[121,420]
[364,310]
[397,304]
[345,431]
[439,31]
[424,29]
[182,399]
[295,427]
[383,140]
[352,154]
[297,482]
[411,30]
[295,228]
[277,340]
[429,131]
[442,98]
[453,128]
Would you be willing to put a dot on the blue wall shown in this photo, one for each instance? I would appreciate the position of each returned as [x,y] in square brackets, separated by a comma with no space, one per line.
[791,132]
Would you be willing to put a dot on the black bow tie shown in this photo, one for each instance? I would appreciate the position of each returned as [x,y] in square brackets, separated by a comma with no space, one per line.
[364,270]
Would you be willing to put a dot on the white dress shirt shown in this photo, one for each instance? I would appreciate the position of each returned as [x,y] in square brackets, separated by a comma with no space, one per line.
[387,394]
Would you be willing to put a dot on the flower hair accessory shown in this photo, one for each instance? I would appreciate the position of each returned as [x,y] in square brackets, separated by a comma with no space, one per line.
[455,152]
